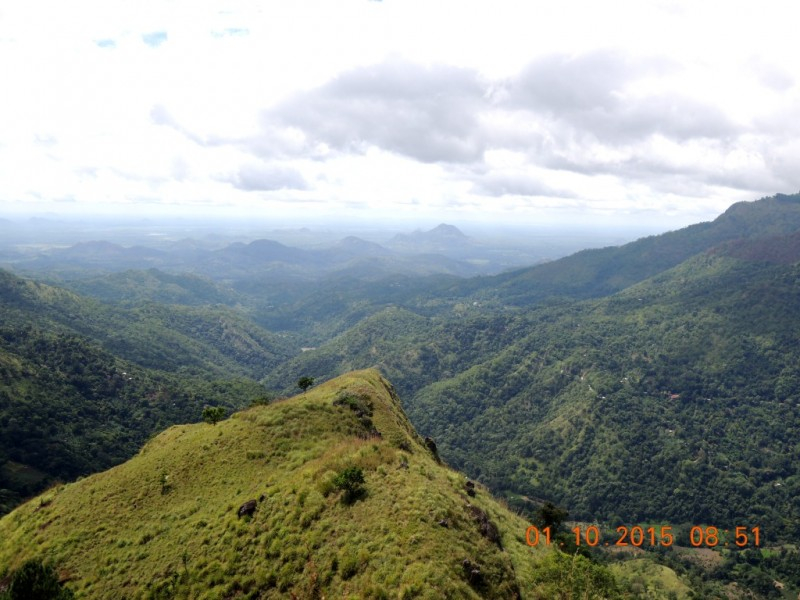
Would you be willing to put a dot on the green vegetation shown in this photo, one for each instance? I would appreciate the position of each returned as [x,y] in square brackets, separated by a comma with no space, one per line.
[656,382]
[213,414]
[118,535]
[77,397]
[647,579]
[35,581]
[305,382]
[351,482]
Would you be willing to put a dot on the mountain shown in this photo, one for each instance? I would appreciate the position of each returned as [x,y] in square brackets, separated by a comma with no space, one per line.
[136,286]
[636,406]
[652,383]
[442,239]
[83,384]
[97,254]
[676,398]
[354,246]
[599,272]
[441,233]
[262,262]
[608,406]
[329,494]
[216,340]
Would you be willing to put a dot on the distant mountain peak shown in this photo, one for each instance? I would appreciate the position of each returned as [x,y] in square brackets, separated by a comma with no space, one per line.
[441,233]
[354,241]
[356,245]
[443,229]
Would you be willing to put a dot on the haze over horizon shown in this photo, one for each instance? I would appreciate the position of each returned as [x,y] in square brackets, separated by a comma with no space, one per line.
[652,115]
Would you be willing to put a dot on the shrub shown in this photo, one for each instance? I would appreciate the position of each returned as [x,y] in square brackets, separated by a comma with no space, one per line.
[351,481]
[36,581]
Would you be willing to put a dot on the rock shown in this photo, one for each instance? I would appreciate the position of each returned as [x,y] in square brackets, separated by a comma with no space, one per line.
[444,523]
[472,572]
[248,508]
[470,488]
[432,447]
[485,526]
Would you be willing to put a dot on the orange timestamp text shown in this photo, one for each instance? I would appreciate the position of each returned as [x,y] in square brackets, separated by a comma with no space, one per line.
[638,536]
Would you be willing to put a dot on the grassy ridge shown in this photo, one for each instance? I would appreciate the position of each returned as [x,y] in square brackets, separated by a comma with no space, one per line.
[165,523]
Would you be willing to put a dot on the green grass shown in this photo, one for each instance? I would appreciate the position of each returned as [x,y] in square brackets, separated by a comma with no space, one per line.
[647,579]
[165,523]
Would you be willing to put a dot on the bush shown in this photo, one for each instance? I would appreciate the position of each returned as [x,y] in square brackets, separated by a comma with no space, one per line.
[36,581]
[351,481]
[360,404]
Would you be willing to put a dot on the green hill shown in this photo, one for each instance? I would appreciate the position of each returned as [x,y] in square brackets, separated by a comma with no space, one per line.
[205,339]
[677,398]
[167,524]
[601,272]
[83,385]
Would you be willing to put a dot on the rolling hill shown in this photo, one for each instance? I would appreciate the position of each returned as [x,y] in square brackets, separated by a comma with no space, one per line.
[328,494]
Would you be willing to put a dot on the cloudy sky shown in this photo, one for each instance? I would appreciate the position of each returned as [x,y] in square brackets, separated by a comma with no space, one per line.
[623,111]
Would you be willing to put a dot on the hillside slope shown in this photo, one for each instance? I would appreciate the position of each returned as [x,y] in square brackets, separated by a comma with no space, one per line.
[677,398]
[82,384]
[205,339]
[166,524]
[601,272]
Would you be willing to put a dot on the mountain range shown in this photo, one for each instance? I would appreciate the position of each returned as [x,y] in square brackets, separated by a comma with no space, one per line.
[657,382]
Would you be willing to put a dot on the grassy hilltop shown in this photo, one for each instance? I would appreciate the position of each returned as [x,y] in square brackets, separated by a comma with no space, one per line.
[165,524]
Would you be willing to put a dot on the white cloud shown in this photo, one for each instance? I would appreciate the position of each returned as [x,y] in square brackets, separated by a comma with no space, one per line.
[506,109]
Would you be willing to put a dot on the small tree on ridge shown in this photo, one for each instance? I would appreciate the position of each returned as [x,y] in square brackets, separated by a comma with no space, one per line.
[304,383]
[213,414]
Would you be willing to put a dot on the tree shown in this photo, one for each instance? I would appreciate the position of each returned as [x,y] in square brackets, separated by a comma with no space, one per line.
[351,481]
[550,515]
[213,414]
[36,581]
[305,382]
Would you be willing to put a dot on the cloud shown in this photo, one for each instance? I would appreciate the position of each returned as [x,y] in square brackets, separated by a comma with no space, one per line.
[160,115]
[515,184]
[154,38]
[771,75]
[426,113]
[604,94]
[231,32]
[107,43]
[561,84]
[267,178]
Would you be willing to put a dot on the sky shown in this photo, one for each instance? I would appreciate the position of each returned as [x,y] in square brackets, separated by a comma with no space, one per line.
[534,112]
